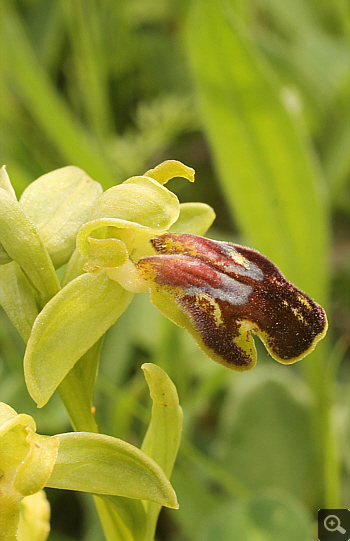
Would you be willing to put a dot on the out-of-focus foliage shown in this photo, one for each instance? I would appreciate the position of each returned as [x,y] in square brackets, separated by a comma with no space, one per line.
[254,96]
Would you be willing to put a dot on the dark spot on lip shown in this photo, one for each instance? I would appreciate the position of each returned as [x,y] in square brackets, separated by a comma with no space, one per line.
[219,338]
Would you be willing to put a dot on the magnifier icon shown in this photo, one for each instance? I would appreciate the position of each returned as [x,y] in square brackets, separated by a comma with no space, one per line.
[332,524]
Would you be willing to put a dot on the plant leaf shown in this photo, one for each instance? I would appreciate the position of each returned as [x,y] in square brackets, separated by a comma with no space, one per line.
[163,436]
[128,514]
[102,464]
[264,163]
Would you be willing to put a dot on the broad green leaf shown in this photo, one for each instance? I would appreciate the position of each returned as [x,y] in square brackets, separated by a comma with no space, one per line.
[59,203]
[17,298]
[265,433]
[21,240]
[195,218]
[105,465]
[67,327]
[264,162]
[266,516]
[163,436]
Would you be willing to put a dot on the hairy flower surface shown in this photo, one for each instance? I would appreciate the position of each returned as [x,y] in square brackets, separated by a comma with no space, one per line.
[220,292]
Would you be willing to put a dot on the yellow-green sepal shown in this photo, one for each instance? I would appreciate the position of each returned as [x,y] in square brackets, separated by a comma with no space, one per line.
[141,200]
[22,242]
[59,203]
[67,327]
[195,218]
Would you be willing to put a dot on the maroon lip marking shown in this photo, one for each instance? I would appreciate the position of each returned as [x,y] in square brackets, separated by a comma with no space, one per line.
[226,291]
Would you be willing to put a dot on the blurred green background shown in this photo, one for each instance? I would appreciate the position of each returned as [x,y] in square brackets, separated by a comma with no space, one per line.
[254,94]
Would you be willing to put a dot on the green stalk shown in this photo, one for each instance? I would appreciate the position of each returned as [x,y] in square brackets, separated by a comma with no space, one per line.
[76,392]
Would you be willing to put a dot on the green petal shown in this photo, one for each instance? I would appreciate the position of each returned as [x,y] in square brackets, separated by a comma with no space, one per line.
[141,200]
[105,465]
[105,253]
[67,327]
[20,448]
[35,470]
[170,169]
[194,218]
[21,240]
[59,203]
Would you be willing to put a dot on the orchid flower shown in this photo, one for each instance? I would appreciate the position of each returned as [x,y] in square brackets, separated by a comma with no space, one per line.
[137,237]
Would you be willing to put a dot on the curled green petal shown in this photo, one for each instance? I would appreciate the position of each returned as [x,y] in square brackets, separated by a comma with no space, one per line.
[105,253]
[105,465]
[111,228]
[194,218]
[164,432]
[26,462]
[34,471]
[59,203]
[141,200]
[170,169]
[67,327]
